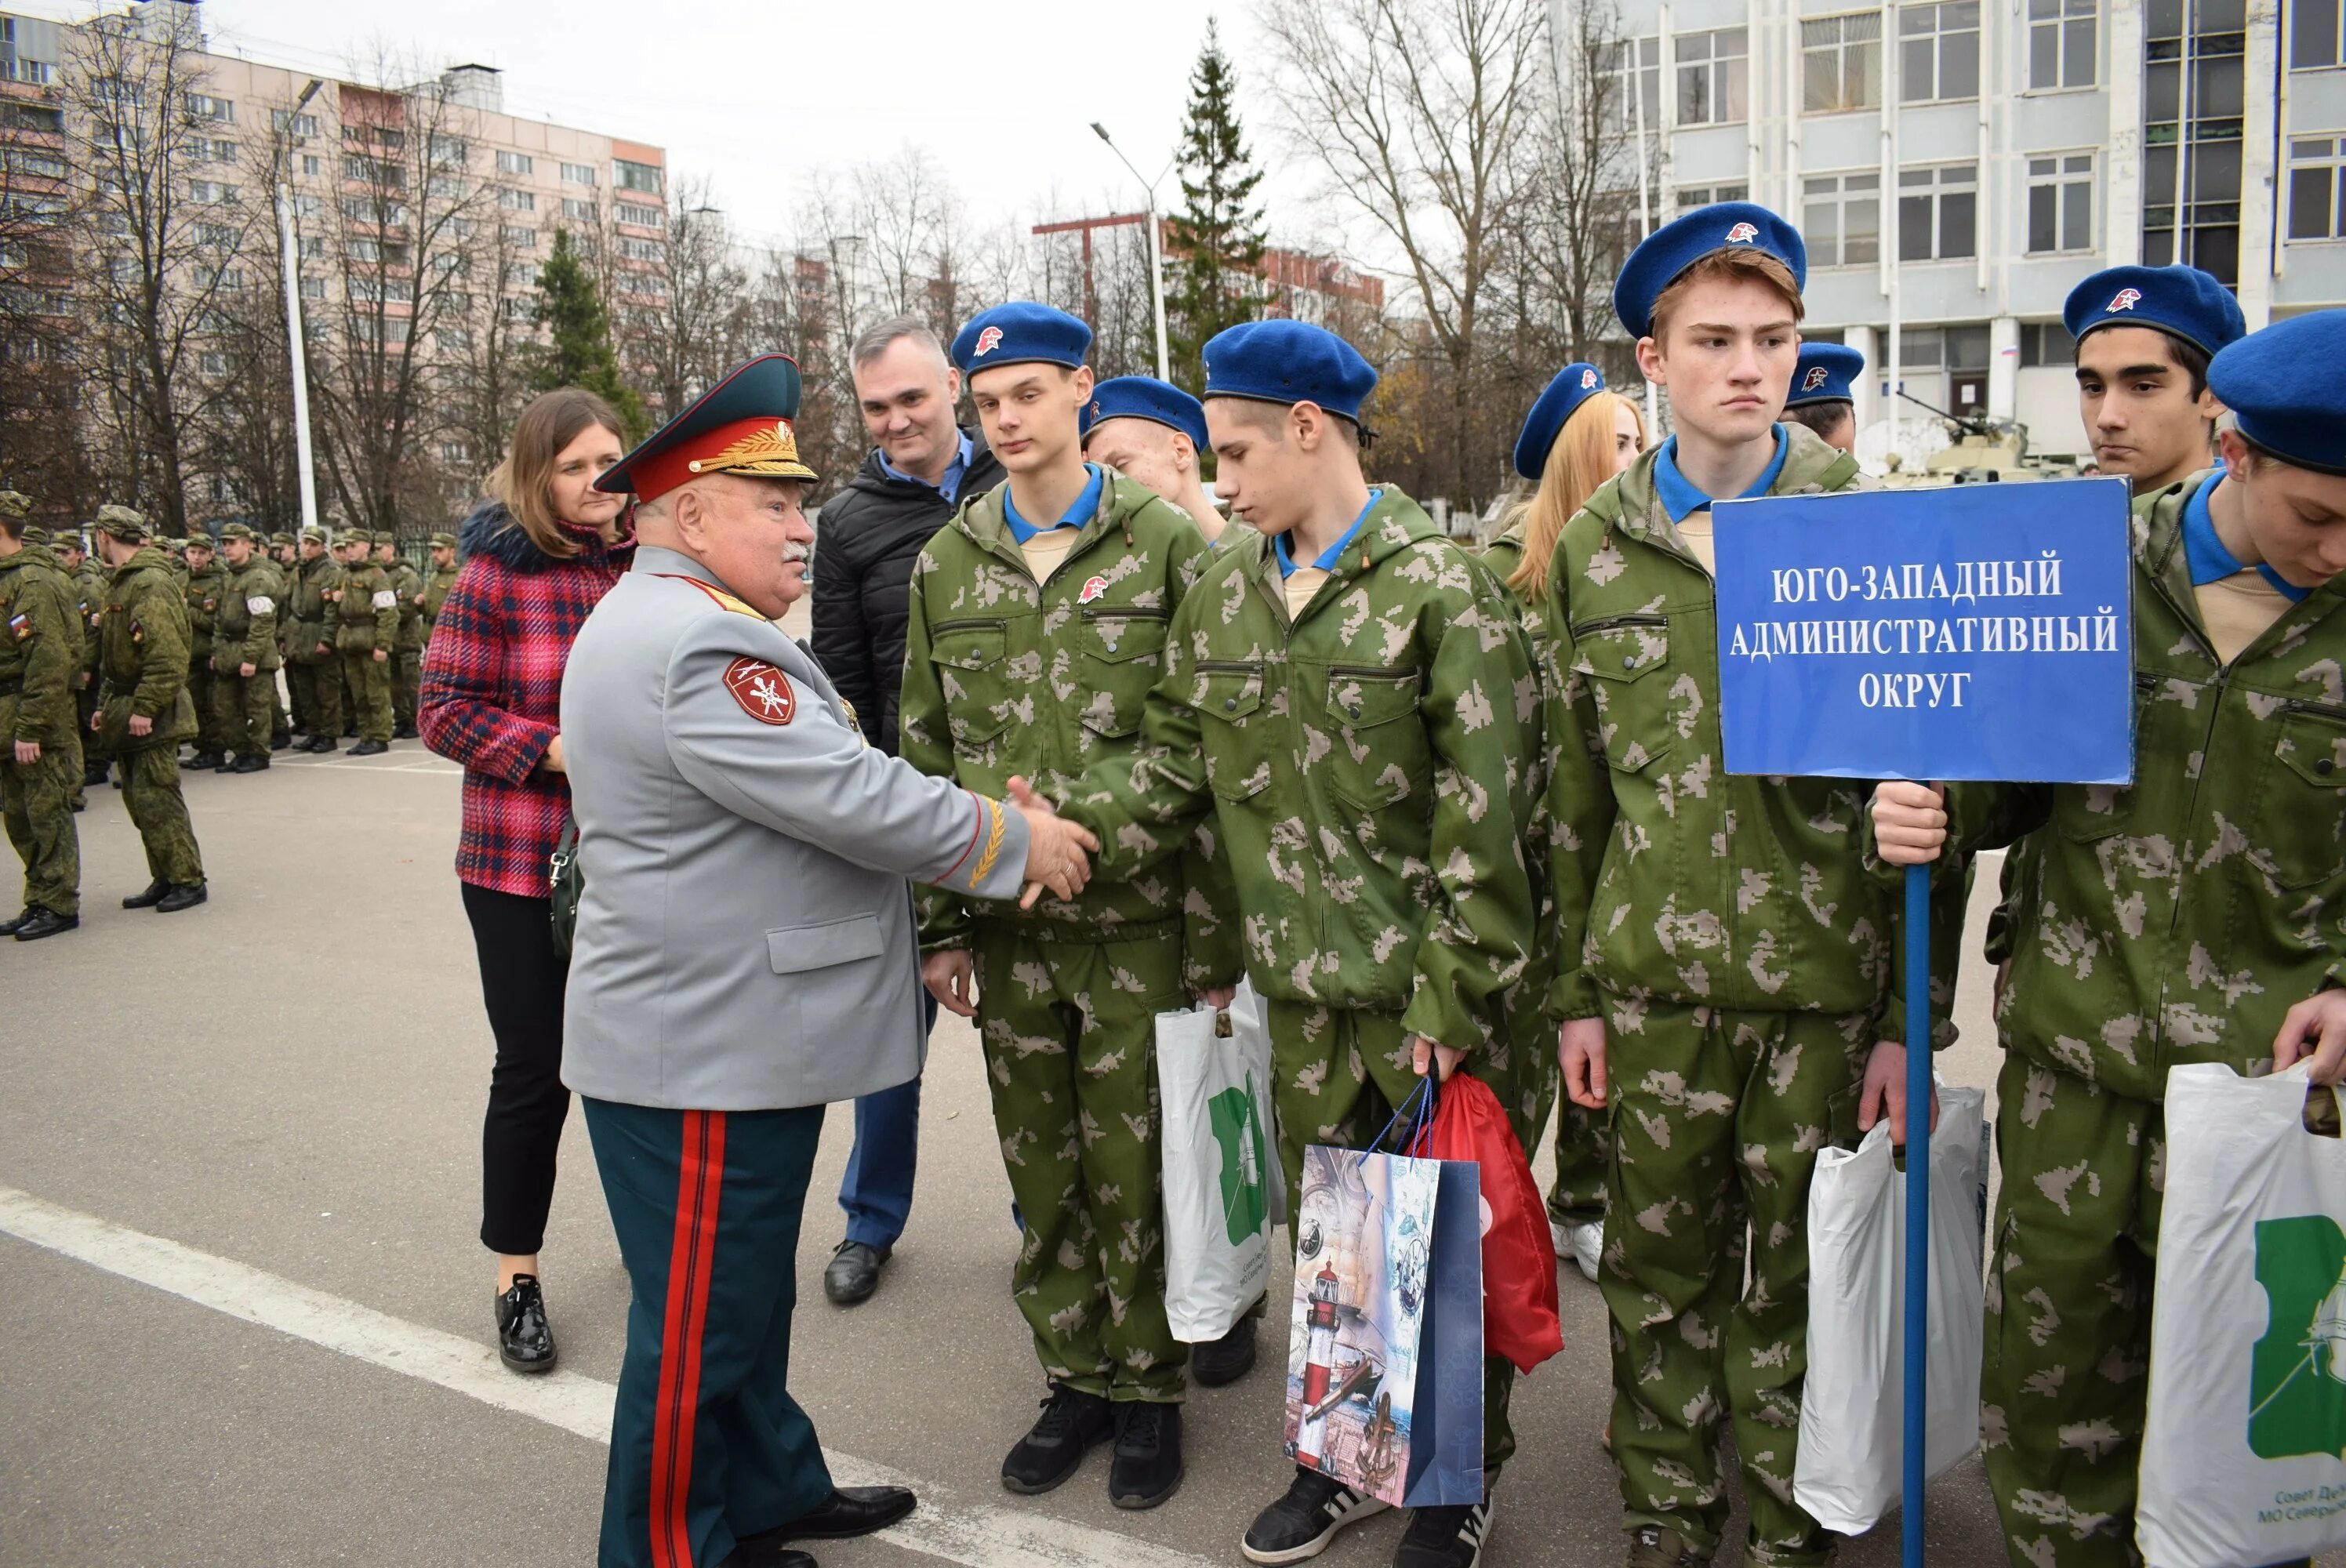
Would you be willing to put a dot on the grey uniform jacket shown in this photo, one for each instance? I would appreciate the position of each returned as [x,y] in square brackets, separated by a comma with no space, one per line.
[745,942]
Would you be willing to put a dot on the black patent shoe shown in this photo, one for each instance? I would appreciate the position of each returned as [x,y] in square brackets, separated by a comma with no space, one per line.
[1226,1359]
[1300,1524]
[249,763]
[1147,1467]
[41,920]
[153,894]
[848,1511]
[370,749]
[185,897]
[8,927]
[525,1340]
[752,1551]
[1054,1449]
[320,745]
[204,761]
[853,1272]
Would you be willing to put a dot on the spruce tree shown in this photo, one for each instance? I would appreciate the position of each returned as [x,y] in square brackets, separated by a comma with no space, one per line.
[1216,237]
[577,350]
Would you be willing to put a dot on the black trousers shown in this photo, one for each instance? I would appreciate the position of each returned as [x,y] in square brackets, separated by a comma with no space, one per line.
[522,982]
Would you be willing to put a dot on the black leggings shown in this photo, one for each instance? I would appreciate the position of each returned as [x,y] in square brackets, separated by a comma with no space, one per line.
[522,980]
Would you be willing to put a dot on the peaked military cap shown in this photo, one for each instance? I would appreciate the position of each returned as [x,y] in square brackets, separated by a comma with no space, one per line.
[237,531]
[313,534]
[122,523]
[2282,385]
[1669,250]
[2182,302]
[741,425]
[14,503]
[281,539]
[35,535]
[1566,391]
[1825,372]
[1286,362]
[197,541]
[1145,397]
[1019,333]
[444,541]
[387,536]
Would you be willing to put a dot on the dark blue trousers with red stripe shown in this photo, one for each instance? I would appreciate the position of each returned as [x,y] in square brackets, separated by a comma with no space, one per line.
[707,1444]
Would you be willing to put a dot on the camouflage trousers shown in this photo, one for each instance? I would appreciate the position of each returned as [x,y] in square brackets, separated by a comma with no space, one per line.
[2066,1371]
[1716,1120]
[368,682]
[1336,1075]
[318,696]
[150,793]
[1070,1038]
[203,689]
[244,707]
[406,673]
[1584,1156]
[37,802]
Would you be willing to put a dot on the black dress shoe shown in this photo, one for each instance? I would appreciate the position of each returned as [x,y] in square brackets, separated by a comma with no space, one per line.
[853,1272]
[524,1340]
[8,927]
[185,897]
[1147,1469]
[322,744]
[1071,1423]
[153,894]
[279,742]
[41,920]
[849,1511]
[251,764]
[204,760]
[1226,1359]
[369,748]
[745,1555]
[406,732]
[350,732]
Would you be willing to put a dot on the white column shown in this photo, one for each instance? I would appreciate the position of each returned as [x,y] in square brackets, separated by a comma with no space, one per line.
[2122,180]
[1867,404]
[2259,176]
[2003,367]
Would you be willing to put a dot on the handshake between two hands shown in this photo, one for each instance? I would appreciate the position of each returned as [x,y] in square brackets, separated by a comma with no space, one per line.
[1058,851]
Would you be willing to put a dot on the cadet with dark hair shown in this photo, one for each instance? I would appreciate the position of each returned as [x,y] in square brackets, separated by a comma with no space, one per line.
[1824,392]
[2145,336]
[40,651]
[143,709]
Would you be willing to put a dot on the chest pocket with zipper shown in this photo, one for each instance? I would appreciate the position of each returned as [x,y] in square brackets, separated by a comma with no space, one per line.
[1227,696]
[1123,654]
[1626,660]
[2170,719]
[1382,757]
[972,656]
[2303,825]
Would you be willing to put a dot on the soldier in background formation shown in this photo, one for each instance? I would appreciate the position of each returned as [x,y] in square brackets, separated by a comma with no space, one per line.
[89,590]
[40,658]
[443,579]
[1824,392]
[205,587]
[144,710]
[407,651]
[245,658]
[314,669]
[366,634]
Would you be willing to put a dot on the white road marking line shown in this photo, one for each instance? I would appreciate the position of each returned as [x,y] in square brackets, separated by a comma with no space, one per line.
[976,1534]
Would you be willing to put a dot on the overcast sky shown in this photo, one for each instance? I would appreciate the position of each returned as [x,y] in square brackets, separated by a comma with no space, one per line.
[756,95]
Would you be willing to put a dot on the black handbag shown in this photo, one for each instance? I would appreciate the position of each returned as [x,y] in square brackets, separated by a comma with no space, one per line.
[565,884]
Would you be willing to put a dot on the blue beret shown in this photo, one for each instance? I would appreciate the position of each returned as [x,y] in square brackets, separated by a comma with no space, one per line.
[1573,386]
[1823,373]
[1145,397]
[2282,385]
[1019,333]
[1285,362]
[2182,302]
[1678,244]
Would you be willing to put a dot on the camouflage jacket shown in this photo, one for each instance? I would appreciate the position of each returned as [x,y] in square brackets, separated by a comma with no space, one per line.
[89,585]
[143,652]
[246,633]
[408,584]
[40,648]
[204,592]
[307,608]
[1673,879]
[435,593]
[1005,676]
[1373,767]
[2177,920]
[366,611]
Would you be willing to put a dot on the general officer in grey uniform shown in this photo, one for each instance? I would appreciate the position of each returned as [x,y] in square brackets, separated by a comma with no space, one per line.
[743,955]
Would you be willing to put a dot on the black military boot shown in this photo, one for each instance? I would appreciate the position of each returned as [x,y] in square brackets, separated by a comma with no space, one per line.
[40,921]
[1052,1450]
[153,894]
[185,896]
[525,1339]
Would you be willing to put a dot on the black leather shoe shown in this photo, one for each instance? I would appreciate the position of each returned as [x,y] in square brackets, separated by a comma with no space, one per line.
[1226,1359]
[406,732]
[41,920]
[1071,1423]
[153,894]
[745,1555]
[204,760]
[279,742]
[369,748]
[524,1340]
[849,1511]
[249,764]
[350,732]
[185,897]
[8,927]
[853,1272]
[322,744]
[1147,1469]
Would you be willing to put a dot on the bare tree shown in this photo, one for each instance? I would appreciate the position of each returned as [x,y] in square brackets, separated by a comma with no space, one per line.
[689,331]
[41,451]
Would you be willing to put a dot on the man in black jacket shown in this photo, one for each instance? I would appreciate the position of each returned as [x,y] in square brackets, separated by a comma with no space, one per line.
[866,540]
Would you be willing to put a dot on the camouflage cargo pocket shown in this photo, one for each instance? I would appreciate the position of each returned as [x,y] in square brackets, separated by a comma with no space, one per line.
[1382,757]
[1626,660]
[2304,826]
[1124,653]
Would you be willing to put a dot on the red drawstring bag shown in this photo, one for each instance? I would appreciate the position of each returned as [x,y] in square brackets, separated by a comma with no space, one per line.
[1519,1308]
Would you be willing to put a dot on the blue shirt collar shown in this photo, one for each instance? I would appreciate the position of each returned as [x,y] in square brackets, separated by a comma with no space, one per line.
[950,485]
[2204,550]
[1327,559]
[1078,515]
[1678,493]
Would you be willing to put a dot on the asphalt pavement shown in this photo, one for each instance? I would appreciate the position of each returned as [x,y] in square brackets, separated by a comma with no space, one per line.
[244,1317]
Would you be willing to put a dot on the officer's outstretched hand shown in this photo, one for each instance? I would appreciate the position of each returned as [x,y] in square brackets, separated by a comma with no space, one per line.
[1056,848]
[1580,1048]
[1910,825]
[951,980]
[1426,1053]
[1885,1091]
[2315,1027]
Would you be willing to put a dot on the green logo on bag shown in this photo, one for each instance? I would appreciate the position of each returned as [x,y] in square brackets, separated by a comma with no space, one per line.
[2297,1372]
[1238,1128]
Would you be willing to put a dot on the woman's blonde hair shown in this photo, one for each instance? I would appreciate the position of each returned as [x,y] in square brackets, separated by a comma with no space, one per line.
[524,482]
[1578,461]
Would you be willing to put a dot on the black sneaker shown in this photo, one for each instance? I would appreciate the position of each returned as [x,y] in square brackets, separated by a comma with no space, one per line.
[1226,1359]
[1301,1523]
[1147,1469]
[1052,1450]
[1448,1537]
[525,1339]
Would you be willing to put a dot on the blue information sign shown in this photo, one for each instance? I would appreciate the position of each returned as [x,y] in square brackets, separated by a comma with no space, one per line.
[1977,631]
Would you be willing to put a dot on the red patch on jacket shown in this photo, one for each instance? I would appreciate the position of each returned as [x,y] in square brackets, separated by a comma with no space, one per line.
[763,691]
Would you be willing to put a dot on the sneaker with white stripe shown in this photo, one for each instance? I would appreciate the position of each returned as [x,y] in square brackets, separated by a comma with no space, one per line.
[1450,1537]
[1300,1524]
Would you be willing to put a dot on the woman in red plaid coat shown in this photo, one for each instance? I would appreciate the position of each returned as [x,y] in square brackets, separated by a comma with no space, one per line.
[540,554]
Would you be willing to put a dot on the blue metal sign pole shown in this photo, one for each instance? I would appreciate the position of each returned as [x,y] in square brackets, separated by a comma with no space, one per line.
[1918,1199]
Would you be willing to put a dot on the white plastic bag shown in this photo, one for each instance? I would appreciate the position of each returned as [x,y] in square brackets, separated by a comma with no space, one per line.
[1252,1024]
[1854,1403]
[2241,1443]
[1213,1080]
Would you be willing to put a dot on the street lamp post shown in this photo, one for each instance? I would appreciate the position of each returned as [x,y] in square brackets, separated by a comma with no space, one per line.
[1156,255]
[292,266]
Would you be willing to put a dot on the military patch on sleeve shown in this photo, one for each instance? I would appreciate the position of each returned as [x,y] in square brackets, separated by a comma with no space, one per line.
[20,626]
[763,691]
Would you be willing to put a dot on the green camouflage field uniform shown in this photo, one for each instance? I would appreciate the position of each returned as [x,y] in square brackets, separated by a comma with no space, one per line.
[435,593]
[40,655]
[1003,677]
[407,654]
[366,618]
[282,721]
[1728,931]
[204,592]
[143,670]
[2171,922]
[1371,769]
[1584,1140]
[247,634]
[316,671]
[89,585]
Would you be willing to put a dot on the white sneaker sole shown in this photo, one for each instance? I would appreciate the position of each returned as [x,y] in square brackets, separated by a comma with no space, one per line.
[1368,1508]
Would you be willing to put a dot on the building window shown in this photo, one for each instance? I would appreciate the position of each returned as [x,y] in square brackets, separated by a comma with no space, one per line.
[516,163]
[314,248]
[452,339]
[2317,188]
[210,193]
[579,211]
[2313,34]
[364,170]
[578,174]
[211,150]
[312,165]
[2044,343]
[1840,217]
[1938,212]
[212,362]
[518,239]
[640,250]
[283,120]
[307,206]
[31,161]
[1840,62]
[521,275]
[314,288]
[447,186]
[448,151]
[2061,203]
[1642,56]
[204,106]
[514,200]
[1938,52]
[1693,196]
[641,216]
[2061,44]
[643,177]
[455,451]
[1712,71]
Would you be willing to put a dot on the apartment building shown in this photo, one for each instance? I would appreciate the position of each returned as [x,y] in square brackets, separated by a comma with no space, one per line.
[1958,165]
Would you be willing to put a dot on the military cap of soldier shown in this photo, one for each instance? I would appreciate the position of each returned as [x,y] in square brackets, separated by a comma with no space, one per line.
[1153,431]
[2145,336]
[143,708]
[40,759]
[1824,392]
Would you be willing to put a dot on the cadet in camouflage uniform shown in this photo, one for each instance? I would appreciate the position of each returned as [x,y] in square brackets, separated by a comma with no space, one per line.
[316,671]
[40,652]
[244,649]
[1724,954]
[442,579]
[2195,916]
[89,588]
[1029,650]
[1361,725]
[366,632]
[407,656]
[284,554]
[143,709]
[206,587]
